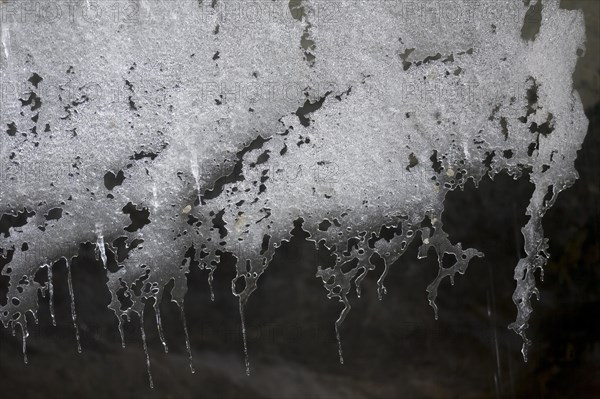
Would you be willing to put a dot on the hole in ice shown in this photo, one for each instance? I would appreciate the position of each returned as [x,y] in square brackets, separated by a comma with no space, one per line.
[10,221]
[123,248]
[324,225]
[12,129]
[236,174]
[549,195]
[143,154]
[387,233]
[4,280]
[350,265]
[34,101]
[137,285]
[504,127]
[139,217]
[54,214]
[436,164]
[239,285]
[111,180]
[308,108]
[352,243]
[412,161]
[124,296]
[41,276]
[448,260]
[35,80]
[532,21]
[532,96]
[545,128]
[219,223]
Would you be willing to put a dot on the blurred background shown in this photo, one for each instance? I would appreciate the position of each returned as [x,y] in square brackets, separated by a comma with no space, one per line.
[392,348]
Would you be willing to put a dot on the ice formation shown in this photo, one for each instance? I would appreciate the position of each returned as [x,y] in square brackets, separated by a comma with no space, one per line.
[220,123]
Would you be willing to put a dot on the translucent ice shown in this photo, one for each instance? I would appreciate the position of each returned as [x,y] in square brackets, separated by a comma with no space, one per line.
[160,126]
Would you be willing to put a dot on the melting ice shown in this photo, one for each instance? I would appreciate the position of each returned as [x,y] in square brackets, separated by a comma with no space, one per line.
[215,125]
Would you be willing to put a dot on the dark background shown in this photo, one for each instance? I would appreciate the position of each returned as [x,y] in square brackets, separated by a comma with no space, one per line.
[393,348]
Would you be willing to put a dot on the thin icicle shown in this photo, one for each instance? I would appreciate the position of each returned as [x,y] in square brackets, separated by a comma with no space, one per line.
[121,333]
[101,247]
[338,324]
[381,290]
[160,328]
[210,284]
[146,349]
[187,337]
[25,335]
[51,294]
[73,312]
[339,341]
[244,338]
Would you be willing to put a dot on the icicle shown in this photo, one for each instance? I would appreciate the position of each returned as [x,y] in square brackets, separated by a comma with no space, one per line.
[25,335]
[210,284]
[146,349]
[160,328]
[381,290]
[121,333]
[51,294]
[339,341]
[524,351]
[359,280]
[187,337]
[338,324]
[435,308]
[101,246]
[73,312]
[244,338]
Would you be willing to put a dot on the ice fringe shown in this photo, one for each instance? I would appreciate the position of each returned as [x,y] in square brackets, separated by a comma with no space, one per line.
[216,134]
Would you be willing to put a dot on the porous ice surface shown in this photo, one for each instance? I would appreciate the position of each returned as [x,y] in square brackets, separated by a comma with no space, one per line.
[218,124]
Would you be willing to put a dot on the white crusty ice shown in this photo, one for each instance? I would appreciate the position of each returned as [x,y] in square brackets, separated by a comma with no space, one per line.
[220,123]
